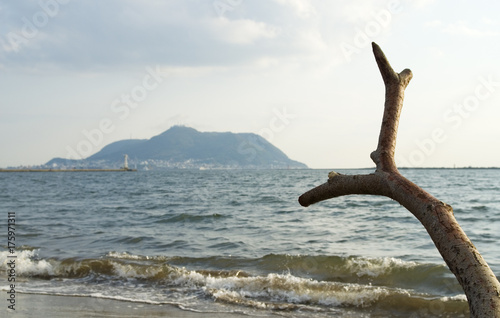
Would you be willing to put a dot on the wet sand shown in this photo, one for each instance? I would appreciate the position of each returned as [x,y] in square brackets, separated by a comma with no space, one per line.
[30,305]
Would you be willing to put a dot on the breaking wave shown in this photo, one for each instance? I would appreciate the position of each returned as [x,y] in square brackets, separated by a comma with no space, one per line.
[278,282]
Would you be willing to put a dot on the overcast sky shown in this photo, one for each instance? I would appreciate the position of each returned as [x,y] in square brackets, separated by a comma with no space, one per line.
[78,75]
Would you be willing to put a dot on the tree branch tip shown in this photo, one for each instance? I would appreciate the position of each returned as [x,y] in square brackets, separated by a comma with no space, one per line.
[405,76]
[406,71]
[377,51]
[388,74]
[301,201]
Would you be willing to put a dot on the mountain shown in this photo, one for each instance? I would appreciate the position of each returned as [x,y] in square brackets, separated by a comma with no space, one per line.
[184,147]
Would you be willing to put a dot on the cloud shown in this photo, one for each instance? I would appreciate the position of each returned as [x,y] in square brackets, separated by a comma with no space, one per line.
[303,8]
[488,21]
[435,52]
[462,29]
[433,23]
[242,31]
[125,34]
[110,33]
[422,3]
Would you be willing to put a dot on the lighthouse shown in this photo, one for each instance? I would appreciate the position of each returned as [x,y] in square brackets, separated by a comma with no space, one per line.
[125,164]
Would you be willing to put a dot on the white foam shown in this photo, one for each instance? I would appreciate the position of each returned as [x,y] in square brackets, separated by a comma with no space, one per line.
[27,263]
[125,255]
[460,297]
[374,267]
[292,290]
[272,290]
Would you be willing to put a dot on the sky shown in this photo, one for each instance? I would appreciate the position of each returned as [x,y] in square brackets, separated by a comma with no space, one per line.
[77,75]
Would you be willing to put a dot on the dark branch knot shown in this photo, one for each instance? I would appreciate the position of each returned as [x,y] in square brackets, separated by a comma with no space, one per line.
[332,174]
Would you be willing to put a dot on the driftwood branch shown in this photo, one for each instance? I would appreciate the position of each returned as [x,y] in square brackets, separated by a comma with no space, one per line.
[480,285]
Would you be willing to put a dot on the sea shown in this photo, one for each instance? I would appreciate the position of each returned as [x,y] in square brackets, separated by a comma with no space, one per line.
[237,241]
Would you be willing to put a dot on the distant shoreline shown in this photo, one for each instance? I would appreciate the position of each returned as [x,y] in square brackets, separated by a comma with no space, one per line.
[449,168]
[122,169]
[66,170]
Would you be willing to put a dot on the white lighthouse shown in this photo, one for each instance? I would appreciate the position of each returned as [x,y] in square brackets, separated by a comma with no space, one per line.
[125,164]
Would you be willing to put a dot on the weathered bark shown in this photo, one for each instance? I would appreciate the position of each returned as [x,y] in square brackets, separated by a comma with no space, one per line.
[474,275]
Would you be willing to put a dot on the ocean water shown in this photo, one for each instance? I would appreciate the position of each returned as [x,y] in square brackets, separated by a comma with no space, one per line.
[217,241]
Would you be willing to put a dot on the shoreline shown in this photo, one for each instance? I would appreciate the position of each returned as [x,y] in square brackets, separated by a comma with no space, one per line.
[67,170]
[40,305]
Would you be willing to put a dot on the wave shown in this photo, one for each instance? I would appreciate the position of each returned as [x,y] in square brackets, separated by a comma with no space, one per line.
[277,282]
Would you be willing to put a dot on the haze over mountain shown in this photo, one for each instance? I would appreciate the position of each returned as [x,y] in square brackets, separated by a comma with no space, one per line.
[184,147]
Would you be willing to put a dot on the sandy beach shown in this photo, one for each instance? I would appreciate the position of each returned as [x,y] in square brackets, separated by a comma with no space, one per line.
[31,305]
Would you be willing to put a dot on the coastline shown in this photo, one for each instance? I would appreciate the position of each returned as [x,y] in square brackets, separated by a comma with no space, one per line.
[66,170]
[37,305]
